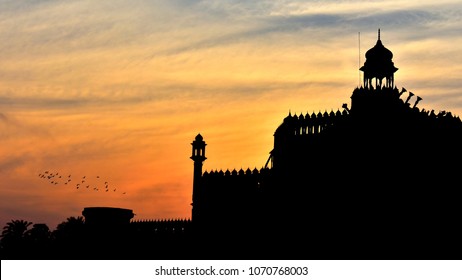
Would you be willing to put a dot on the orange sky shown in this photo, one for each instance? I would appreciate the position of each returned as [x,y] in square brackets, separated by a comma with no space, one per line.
[119,89]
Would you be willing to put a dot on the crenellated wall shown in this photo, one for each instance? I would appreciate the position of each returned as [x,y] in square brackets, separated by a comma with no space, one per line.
[368,103]
[162,226]
[230,195]
[220,182]
[313,124]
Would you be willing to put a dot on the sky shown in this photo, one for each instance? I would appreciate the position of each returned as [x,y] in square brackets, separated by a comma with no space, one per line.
[110,94]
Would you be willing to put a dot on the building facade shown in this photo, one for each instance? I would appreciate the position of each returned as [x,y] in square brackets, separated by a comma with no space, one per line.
[382,173]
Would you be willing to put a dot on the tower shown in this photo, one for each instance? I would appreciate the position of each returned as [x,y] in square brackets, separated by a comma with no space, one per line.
[198,156]
[379,65]
[377,100]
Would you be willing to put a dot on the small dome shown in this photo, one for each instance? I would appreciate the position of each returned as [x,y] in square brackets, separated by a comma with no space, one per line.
[379,52]
[199,137]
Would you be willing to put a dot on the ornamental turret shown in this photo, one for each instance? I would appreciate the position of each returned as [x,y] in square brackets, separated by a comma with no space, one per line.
[378,65]
[198,156]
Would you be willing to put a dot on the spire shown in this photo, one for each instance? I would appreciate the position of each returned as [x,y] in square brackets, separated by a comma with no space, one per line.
[378,38]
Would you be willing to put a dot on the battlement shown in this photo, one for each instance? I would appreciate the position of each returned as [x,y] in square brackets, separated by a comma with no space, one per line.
[374,103]
[162,226]
[161,221]
[220,182]
[311,124]
[388,103]
[234,172]
[224,195]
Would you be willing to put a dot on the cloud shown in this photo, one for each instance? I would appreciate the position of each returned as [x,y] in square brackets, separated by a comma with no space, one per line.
[114,85]
[56,26]
[3,118]
[8,164]
[336,22]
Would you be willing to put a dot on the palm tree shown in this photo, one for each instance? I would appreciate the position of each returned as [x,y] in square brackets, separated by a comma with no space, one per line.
[13,238]
[38,234]
[73,226]
[69,236]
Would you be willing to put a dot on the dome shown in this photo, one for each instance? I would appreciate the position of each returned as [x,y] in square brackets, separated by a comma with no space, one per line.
[379,52]
[379,60]
[199,137]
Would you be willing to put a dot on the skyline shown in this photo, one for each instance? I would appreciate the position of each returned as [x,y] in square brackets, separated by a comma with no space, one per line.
[119,90]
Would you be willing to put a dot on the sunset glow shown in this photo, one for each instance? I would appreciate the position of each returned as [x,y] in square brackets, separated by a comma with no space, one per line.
[119,89]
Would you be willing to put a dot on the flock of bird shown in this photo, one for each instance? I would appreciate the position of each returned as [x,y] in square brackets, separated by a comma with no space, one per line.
[77,182]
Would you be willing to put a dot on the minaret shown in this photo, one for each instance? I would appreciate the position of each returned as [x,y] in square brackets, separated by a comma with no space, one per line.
[198,156]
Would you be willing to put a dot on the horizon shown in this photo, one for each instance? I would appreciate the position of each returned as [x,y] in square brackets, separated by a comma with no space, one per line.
[119,91]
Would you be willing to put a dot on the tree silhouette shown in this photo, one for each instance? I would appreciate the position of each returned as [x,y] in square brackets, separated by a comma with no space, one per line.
[38,233]
[13,242]
[69,236]
[69,229]
[38,240]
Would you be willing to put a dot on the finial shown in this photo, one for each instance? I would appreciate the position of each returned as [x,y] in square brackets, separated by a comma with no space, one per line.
[379,34]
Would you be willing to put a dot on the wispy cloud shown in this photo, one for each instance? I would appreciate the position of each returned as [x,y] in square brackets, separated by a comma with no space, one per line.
[3,118]
[116,85]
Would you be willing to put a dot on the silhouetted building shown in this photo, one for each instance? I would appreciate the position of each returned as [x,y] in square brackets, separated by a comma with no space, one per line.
[109,217]
[379,177]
